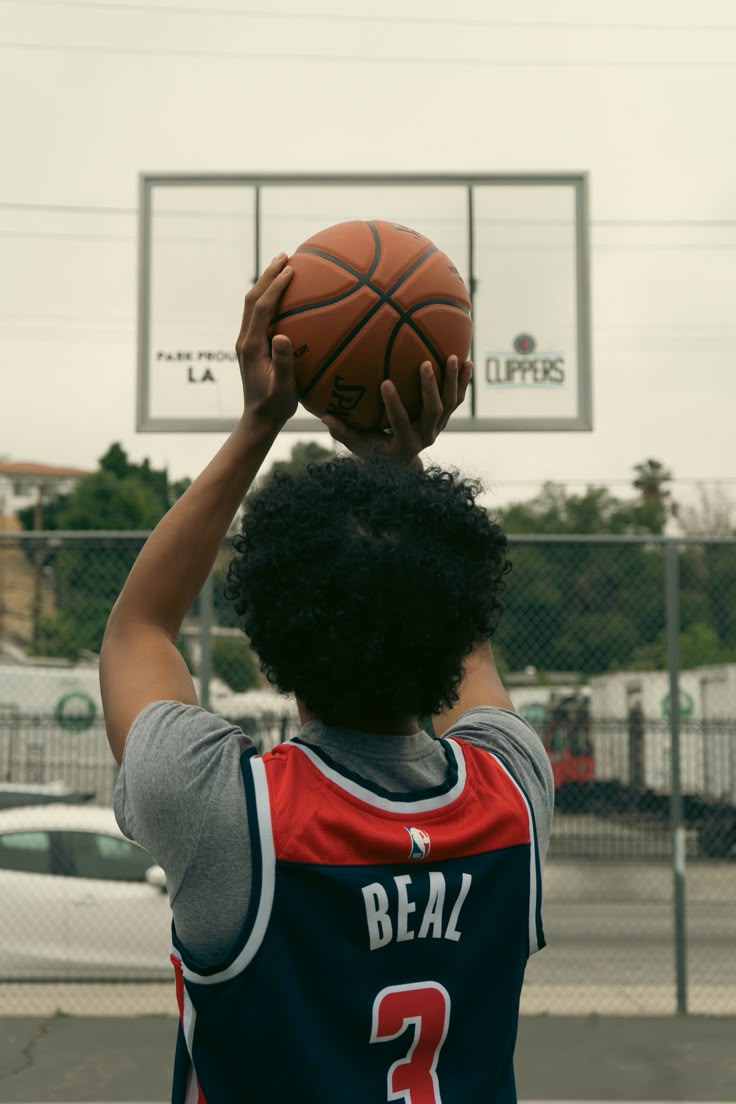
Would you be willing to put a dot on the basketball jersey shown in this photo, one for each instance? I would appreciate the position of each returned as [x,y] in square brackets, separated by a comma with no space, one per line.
[384,947]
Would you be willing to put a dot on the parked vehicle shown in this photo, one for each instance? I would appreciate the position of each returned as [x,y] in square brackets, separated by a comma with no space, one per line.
[43,793]
[609,747]
[77,899]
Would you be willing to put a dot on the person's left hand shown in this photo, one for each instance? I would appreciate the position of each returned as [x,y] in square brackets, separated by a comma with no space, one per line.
[405,438]
[269,388]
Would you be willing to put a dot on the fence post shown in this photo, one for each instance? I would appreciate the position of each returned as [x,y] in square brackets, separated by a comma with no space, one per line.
[206,605]
[672,621]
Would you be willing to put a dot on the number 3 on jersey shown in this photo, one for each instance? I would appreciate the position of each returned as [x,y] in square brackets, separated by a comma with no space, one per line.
[425,1006]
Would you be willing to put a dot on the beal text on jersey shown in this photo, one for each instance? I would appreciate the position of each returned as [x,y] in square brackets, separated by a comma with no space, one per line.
[414,906]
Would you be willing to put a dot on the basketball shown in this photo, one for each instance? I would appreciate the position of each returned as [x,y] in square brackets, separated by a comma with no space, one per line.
[370,301]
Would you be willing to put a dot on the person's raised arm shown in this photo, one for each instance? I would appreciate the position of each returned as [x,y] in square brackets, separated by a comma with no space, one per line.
[139,662]
[480,685]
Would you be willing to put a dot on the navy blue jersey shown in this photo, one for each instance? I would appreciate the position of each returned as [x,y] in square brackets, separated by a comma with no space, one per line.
[384,949]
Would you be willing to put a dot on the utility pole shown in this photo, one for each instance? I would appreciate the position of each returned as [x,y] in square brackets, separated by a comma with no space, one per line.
[2,568]
[37,569]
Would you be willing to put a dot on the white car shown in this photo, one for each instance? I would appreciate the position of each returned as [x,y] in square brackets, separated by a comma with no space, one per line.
[77,899]
[44,793]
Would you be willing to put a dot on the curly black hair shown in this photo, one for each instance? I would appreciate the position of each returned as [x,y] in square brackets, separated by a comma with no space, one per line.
[362,585]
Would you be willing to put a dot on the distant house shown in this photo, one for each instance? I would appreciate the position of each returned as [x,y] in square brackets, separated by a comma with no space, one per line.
[24,596]
[23,484]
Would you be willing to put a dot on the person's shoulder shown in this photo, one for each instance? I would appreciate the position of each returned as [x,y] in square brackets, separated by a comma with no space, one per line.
[170,711]
[187,727]
[505,733]
[172,750]
[485,724]
[176,755]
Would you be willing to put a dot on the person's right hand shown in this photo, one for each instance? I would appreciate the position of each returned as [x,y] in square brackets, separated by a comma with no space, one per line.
[266,368]
[406,439]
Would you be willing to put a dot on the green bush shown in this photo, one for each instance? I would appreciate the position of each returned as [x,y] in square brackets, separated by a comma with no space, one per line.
[234,661]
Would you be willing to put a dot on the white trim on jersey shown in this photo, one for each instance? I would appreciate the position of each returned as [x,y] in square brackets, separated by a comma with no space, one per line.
[189,1019]
[268,881]
[533,940]
[188,1015]
[423,805]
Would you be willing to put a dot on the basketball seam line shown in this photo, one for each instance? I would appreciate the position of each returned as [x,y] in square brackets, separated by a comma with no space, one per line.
[363,278]
[363,281]
[384,297]
[405,319]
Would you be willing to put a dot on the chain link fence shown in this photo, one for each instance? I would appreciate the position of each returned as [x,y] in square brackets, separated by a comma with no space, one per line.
[620,652]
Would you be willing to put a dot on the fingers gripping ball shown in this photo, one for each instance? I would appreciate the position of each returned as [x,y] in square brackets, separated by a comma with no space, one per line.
[370,301]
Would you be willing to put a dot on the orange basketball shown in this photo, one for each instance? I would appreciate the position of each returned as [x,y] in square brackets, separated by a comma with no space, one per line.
[370,301]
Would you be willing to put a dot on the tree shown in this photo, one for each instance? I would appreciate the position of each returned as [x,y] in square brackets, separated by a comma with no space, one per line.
[597,607]
[712,514]
[651,477]
[87,577]
[651,480]
[581,607]
[596,511]
[699,646]
[235,662]
[708,570]
[302,454]
[120,495]
[52,508]
[103,500]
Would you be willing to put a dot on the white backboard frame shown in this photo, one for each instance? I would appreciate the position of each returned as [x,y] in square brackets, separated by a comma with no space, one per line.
[580,420]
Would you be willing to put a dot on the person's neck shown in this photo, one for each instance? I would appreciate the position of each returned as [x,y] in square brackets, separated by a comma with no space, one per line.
[374,726]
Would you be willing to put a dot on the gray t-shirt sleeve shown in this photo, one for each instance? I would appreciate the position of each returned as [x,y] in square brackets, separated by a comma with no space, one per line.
[180,795]
[522,751]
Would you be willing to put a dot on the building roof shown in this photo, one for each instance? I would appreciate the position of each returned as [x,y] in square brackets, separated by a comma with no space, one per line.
[20,468]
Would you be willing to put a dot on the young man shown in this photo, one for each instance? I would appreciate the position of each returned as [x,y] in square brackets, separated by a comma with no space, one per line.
[353,911]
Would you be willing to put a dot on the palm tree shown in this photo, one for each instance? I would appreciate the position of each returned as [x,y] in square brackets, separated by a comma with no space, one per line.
[651,477]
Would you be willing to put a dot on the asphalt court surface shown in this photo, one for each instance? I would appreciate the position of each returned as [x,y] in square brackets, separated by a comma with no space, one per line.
[610,960]
[109,1060]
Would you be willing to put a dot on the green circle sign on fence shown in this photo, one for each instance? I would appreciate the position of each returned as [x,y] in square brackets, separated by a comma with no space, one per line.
[687,705]
[75,711]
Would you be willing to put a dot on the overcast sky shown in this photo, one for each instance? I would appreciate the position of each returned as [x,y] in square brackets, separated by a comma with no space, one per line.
[638,93]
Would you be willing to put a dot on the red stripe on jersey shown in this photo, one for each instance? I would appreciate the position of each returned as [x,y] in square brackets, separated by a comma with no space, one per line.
[179,983]
[315,820]
[180,991]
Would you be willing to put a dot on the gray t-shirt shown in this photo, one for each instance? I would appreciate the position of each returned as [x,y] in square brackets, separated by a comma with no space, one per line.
[180,795]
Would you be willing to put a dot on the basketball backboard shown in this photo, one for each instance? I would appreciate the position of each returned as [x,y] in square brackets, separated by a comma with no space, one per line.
[519,241]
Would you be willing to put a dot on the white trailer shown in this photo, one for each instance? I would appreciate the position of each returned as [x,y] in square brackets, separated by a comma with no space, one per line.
[630,728]
[64,694]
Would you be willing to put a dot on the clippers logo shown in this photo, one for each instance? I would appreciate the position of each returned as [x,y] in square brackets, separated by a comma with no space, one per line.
[525,344]
[525,367]
[420,843]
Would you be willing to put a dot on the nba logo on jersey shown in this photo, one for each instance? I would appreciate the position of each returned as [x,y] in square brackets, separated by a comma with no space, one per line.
[420,843]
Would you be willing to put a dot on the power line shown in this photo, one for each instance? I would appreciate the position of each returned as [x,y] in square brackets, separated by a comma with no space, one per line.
[370,59]
[94,209]
[344,17]
[595,481]
[73,208]
[672,332]
[64,236]
[541,247]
